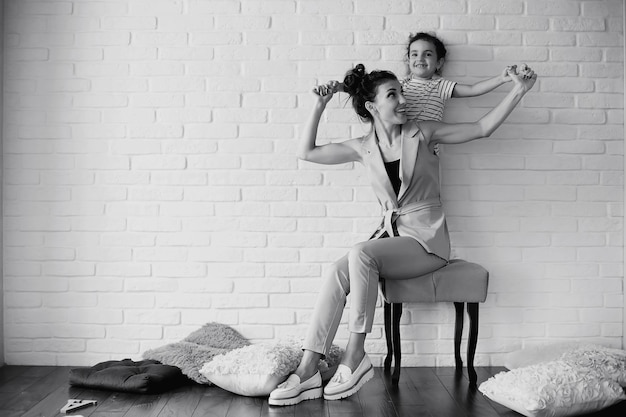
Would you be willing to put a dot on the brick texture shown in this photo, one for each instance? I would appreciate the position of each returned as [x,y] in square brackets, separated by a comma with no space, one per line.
[150,183]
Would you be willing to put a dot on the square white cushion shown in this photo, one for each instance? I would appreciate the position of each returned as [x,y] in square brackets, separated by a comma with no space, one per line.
[553,389]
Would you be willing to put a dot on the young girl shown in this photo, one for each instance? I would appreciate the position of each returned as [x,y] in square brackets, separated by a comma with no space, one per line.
[424,89]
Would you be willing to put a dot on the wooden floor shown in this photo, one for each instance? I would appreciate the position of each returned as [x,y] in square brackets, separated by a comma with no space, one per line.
[42,391]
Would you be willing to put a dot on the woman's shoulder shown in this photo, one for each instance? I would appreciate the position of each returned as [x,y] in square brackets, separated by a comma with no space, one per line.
[412,129]
[419,131]
[365,139]
[362,145]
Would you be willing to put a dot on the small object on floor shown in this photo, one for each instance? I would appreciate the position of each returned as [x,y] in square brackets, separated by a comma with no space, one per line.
[75,404]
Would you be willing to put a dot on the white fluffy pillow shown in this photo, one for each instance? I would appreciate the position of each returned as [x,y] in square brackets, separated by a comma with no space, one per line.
[553,389]
[257,369]
[610,363]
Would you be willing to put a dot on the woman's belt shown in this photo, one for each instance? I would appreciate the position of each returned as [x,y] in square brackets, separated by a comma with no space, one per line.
[390,215]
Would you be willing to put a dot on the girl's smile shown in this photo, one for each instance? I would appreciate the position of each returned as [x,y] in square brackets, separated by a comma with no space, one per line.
[423,60]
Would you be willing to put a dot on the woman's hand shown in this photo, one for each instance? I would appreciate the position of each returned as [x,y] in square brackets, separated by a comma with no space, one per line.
[323,93]
[525,78]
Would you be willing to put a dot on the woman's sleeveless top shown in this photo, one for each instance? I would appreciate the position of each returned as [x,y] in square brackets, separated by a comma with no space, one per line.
[415,210]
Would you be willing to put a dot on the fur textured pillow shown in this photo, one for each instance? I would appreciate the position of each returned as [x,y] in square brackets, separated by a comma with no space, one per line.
[257,369]
[199,347]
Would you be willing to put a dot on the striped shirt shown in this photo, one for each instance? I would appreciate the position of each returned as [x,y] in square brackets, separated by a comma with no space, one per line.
[426,98]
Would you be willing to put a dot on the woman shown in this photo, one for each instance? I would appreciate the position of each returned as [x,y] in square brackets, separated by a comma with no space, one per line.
[412,239]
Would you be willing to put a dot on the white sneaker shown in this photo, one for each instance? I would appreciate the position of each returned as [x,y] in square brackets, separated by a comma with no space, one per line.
[292,391]
[345,383]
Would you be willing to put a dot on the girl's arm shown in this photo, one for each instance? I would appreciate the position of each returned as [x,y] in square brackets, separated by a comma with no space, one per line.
[332,153]
[482,87]
[437,132]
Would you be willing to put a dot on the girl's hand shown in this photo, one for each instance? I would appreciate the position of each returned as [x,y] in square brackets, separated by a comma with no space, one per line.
[525,78]
[505,73]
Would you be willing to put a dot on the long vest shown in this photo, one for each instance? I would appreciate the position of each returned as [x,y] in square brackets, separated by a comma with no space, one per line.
[416,211]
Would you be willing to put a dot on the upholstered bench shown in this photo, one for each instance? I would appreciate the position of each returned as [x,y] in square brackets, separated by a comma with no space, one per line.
[459,282]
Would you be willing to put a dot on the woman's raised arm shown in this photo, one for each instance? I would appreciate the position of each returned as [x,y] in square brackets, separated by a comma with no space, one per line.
[332,153]
[464,132]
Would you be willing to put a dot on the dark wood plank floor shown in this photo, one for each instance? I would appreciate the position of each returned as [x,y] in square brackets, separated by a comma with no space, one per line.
[35,391]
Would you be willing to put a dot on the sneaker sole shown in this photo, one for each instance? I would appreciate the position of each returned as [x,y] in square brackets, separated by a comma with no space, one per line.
[344,394]
[310,394]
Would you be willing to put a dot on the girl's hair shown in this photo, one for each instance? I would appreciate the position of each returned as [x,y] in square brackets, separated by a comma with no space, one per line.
[362,87]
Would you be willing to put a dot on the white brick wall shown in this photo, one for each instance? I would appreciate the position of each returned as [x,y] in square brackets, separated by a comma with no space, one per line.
[150,183]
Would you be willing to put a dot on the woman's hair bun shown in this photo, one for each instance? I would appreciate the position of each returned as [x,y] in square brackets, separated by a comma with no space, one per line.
[354,79]
[362,87]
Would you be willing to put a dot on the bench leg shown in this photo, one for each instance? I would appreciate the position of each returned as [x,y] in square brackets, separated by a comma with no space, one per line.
[458,333]
[472,310]
[389,357]
[397,352]
[393,313]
